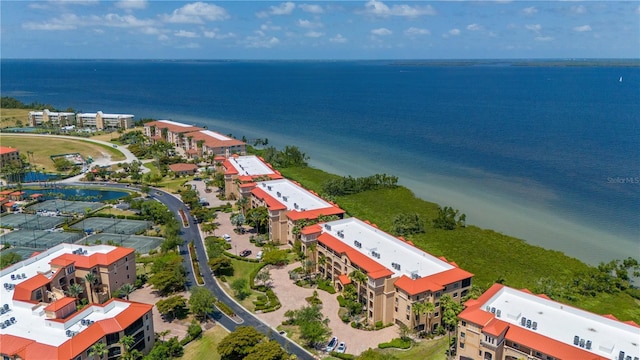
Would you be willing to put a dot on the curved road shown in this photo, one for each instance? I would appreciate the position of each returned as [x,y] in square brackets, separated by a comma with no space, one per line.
[191,233]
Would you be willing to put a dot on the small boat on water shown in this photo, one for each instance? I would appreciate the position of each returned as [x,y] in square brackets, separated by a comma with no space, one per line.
[620,79]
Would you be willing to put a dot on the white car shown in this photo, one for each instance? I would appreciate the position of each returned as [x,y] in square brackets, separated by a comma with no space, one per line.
[226,237]
[342,347]
[259,255]
[332,344]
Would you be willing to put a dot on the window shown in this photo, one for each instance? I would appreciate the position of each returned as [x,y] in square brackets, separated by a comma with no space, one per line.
[396,301]
[462,335]
[436,314]
[455,294]
[408,307]
[438,294]
[112,338]
[437,304]
[39,294]
[461,345]
[456,285]
[464,323]
[396,309]
[418,297]
[407,316]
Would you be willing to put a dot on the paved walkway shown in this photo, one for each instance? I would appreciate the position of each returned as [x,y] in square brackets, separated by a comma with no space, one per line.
[177,327]
[293,297]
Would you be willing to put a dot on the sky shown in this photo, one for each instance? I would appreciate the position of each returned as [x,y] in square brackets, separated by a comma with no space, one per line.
[146,29]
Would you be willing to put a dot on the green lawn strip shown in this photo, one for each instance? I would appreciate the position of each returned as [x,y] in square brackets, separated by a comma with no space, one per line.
[487,254]
[151,166]
[116,155]
[425,349]
[205,348]
[242,270]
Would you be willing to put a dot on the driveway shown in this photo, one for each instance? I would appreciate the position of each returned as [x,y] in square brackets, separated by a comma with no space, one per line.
[176,327]
[293,297]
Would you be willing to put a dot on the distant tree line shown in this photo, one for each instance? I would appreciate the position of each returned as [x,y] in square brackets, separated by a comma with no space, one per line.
[7,102]
[348,185]
[291,156]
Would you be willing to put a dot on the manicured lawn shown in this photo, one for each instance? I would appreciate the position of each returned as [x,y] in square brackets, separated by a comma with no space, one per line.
[206,347]
[43,148]
[485,253]
[242,270]
[425,349]
[113,211]
[9,117]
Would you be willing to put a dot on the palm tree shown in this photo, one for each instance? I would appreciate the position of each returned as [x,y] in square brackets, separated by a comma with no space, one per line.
[210,227]
[127,342]
[360,278]
[75,290]
[126,289]
[423,308]
[91,278]
[98,349]
[242,203]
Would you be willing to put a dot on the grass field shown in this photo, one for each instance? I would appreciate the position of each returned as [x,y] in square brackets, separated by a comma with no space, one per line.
[242,270]
[206,347]
[42,148]
[9,117]
[485,253]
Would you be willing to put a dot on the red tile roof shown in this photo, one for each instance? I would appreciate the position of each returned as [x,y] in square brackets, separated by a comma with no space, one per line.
[183,167]
[6,192]
[311,229]
[17,193]
[315,213]
[33,196]
[172,128]
[433,282]
[271,202]
[7,150]
[24,289]
[11,344]
[344,279]
[9,204]
[59,304]
[371,267]
[213,142]
[495,327]
[89,261]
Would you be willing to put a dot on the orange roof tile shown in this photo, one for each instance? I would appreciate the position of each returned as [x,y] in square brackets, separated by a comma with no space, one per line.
[171,127]
[17,193]
[371,267]
[548,345]
[89,261]
[11,344]
[6,192]
[311,229]
[213,142]
[33,196]
[433,282]
[496,327]
[3,198]
[61,261]
[59,304]
[271,202]
[315,213]
[7,150]
[344,279]
[24,289]
[183,167]
[9,204]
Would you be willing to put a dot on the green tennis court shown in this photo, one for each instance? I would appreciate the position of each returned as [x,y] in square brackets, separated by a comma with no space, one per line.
[66,206]
[30,221]
[38,239]
[113,225]
[142,244]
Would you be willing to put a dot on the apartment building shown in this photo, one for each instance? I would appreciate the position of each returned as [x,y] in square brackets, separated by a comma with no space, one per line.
[39,319]
[509,324]
[102,121]
[288,203]
[241,173]
[207,142]
[37,118]
[171,131]
[399,275]
[8,154]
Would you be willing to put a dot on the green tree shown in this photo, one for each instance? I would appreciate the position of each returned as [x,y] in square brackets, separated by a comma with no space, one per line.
[238,220]
[172,307]
[239,287]
[168,274]
[209,227]
[98,349]
[164,350]
[75,290]
[275,257]
[449,218]
[313,325]
[263,276]
[242,203]
[423,308]
[267,350]
[239,343]
[221,265]
[201,302]
[92,280]
[127,342]
[258,218]
[407,224]
[450,311]
[126,290]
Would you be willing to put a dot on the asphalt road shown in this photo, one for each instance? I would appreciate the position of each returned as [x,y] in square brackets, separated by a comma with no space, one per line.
[190,233]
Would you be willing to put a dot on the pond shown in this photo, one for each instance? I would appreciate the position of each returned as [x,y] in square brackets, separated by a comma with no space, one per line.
[32,176]
[81,194]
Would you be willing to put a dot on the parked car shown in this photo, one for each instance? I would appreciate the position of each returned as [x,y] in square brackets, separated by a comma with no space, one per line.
[259,255]
[245,252]
[332,344]
[342,347]
[226,237]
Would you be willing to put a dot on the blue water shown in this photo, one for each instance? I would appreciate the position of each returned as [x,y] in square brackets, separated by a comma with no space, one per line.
[32,176]
[546,153]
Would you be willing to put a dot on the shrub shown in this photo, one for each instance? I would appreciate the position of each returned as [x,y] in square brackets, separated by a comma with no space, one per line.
[343,356]
[225,308]
[341,301]
[379,325]
[396,343]
[326,286]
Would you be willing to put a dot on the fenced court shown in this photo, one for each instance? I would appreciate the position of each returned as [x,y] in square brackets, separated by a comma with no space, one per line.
[142,244]
[38,239]
[113,225]
[66,206]
[24,252]
[29,221]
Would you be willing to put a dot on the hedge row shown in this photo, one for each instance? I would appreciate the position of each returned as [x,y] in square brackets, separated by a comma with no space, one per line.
[396,343]
[225,308]
[343,356]
[240,257]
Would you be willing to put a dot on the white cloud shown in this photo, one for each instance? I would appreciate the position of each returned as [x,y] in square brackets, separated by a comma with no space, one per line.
[582,28]
[197,13]
[414,31]
[530,10]
[132,4]
[638,10]
[533,27]
[454,32]
[189,46]
[126,21]
[98,31]
[381,31]
[64,22]
[150,30]
[378,8]
[270,27]
[285,8]
[307,24]
[339,39]
[186,34]
[261,42]
[474,27]
[578,9]
[163,37]
[314,9]
[314,34]
[543,38]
